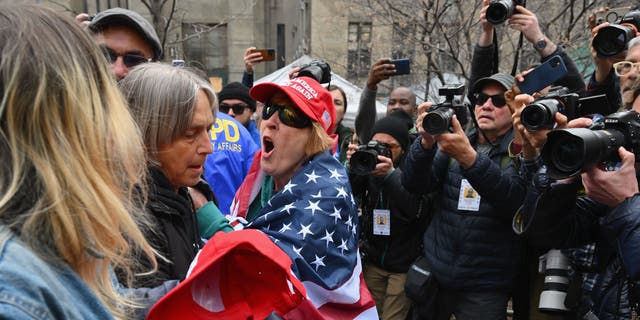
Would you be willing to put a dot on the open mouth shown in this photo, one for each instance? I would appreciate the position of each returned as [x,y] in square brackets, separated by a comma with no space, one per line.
[267,144]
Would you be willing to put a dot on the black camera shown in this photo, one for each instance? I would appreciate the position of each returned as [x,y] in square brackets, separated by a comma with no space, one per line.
[569,152]
[438,120]
[613,39]
[541,113]
[318,70]
[500,10]
[365,159]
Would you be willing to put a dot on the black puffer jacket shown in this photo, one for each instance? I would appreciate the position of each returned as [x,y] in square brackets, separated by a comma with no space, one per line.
[555,216]
[408,220]
[175,234]
[469,250]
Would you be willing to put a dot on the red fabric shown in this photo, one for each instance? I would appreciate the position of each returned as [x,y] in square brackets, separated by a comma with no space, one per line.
[306,93]
[237,275]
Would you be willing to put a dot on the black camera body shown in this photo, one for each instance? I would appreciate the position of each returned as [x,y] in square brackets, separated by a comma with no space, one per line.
[541,113]
[568,152]
[612,40]
[318,70]
[438,120]
[501,10]
[365,159]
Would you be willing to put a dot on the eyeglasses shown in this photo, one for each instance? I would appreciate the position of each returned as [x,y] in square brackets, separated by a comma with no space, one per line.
[129,60]
[623,67]
[497,99]
[288,115]
[237,108]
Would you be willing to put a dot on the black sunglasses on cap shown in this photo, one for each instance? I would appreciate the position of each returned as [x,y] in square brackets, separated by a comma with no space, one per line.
[129,60]
[237,108]
[288,115]
[497,99]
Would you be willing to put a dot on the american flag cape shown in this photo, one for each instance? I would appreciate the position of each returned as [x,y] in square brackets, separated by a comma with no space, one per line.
[314,220]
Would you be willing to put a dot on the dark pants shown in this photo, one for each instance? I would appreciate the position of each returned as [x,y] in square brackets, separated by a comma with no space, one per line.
[483,305]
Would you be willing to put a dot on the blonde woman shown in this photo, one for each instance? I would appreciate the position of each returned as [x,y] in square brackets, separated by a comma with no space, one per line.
[70,156]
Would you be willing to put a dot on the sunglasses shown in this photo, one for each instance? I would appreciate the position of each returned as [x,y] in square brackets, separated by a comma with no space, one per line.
[288,115]
[497,99]
[237,108]
[129,60]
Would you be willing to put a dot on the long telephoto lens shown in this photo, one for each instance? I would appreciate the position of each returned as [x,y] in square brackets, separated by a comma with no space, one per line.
[499,11]
[437,121]
[540,114]
[569,152]
[611,40]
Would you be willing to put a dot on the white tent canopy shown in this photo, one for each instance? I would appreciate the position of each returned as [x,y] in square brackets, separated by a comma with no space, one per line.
[352,91]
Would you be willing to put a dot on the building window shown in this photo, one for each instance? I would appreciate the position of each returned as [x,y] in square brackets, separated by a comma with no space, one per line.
[102,5]
[359,59]
[205,47]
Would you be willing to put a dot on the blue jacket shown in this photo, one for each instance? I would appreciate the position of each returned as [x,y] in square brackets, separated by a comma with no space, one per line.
[31,288]
[228,164]
[469,250]
[554,215]
[255,133]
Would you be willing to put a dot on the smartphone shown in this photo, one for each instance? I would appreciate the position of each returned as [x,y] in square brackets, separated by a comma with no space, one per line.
[403,66]
[267,54]
[543,75]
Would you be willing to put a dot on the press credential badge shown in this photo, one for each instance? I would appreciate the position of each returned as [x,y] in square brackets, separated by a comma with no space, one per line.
[469,198]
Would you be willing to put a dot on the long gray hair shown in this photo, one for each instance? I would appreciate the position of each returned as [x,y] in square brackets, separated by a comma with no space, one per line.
[162,99]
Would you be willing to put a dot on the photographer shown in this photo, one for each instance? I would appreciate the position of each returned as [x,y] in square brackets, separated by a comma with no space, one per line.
[556,214]
[469,245]
[526,22]
[605,78]
[392,221]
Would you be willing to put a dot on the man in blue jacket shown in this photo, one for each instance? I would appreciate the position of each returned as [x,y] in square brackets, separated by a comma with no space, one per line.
[469,246]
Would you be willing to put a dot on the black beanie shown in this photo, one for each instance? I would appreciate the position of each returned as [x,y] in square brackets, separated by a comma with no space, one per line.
[394,126]
[237,90]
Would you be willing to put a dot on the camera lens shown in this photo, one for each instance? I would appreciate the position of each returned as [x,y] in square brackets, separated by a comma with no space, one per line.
[499,11]
[556,282]
[611,40]
[540,115]
[571,151]
[363,162]
[437,121]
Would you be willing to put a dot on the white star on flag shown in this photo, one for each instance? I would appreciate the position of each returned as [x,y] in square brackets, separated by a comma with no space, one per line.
[289,187]
[313,206]
[319,262]
[312,177]
[317,195]
[343,246]
[335,174]
[285,227]
[342,193]
[349,223]
[297,250]
[336,214]
[287,208]
[305,230]
[327,237]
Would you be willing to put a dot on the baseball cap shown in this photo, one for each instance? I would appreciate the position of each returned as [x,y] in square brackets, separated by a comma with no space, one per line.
[120,16]
[503,79]
[237,275]
[307,94]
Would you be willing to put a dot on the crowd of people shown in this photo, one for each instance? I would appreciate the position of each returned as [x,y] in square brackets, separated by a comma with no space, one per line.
[129,188]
